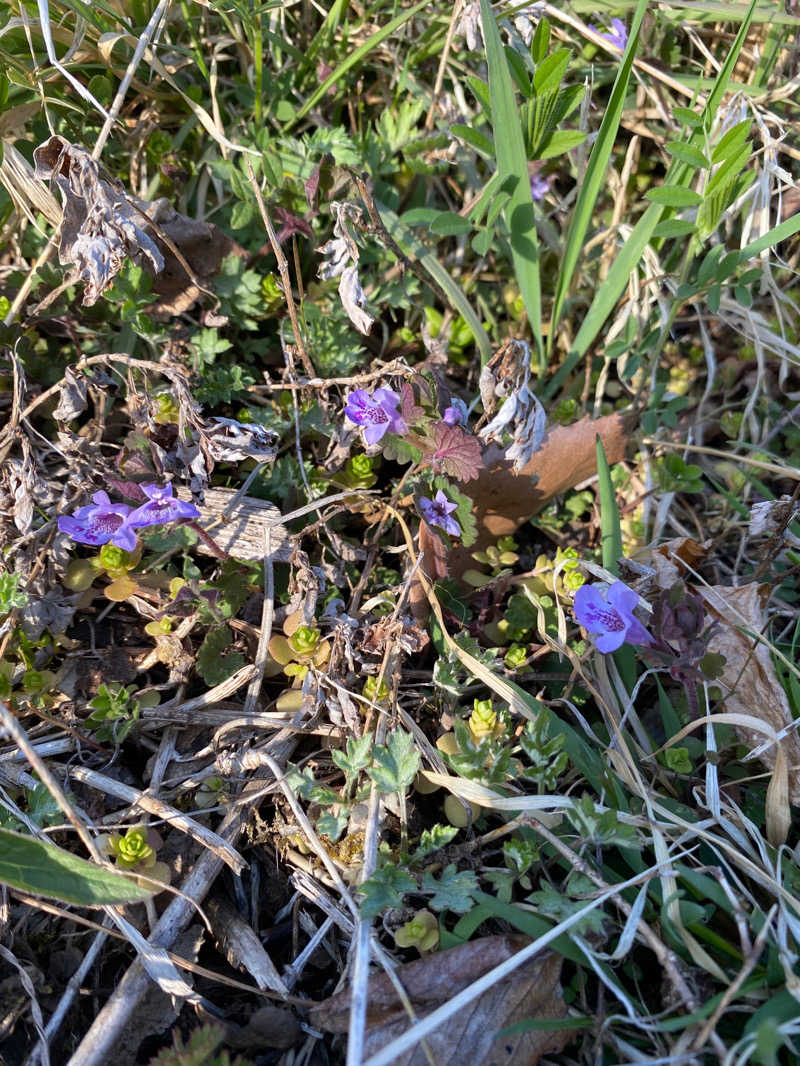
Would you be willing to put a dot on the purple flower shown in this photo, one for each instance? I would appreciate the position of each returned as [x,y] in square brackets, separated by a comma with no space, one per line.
[437,512]
[618,35]
[377,413]
[160,508]
[612,617]
[540,187]
[455,415]
[100,523]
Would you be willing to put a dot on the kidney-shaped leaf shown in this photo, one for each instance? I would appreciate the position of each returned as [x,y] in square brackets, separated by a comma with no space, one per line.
[45,870]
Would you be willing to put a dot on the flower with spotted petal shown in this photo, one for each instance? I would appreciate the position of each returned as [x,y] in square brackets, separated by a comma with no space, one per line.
[612,617]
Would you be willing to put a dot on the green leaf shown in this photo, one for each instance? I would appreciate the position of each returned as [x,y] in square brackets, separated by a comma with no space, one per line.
[395,766]
[242,215]
[731,141]
[512,163]
[550,72]
[688,117]
[611,532]
[385,889]
[541,41]
[212,665]
[674,227]
[560,142]
[474,138]
[674,196]
[449,224]
[45,870]
[433,839]
[453,891]
[519,72]
[356,758]
[687,153]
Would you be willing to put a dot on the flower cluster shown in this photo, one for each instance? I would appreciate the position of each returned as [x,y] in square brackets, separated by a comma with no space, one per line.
[612,617]
[103,521]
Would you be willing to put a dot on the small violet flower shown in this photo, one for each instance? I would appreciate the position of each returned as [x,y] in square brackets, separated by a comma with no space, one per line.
[437,511]
[100,523]
[456,414]
[618,35]
[612,617]
[540,187]
[161,507]
[377,413]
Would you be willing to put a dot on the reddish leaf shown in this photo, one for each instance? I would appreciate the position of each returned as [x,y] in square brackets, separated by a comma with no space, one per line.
[456,453]
[409,409]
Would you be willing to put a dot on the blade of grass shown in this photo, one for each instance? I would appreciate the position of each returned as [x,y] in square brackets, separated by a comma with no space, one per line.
[512,163]
[611,541]
[595,173]
[353,59]
[408,244]
[629,256]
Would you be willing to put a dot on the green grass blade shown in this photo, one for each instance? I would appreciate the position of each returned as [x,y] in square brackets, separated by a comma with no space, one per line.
[512,163]
[595,174]
[629,256]
[611,534]
[409,244]
[45,870]
[353,59]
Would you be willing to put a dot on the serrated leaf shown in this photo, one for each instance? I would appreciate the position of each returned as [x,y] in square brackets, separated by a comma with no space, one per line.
[384,889]
[438,836]
[333,825]
[687,153]
[357,756]
[674,196]
[45,870]
[399,450]
[453,891]
[395,765]
[455,453]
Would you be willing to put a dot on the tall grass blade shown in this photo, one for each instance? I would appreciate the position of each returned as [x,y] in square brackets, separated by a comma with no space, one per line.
[512,163]
[629,256]
[595,173]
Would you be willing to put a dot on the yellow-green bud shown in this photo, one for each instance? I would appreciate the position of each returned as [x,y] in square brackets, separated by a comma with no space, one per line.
[132,849]
[420,932]
[304,641]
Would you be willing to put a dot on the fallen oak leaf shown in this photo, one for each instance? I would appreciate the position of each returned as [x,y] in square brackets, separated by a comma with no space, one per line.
[532,991]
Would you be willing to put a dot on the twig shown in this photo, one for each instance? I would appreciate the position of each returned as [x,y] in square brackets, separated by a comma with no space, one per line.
[267,614]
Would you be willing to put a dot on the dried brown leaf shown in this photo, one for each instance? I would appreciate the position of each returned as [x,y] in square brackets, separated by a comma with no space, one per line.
[531,991]
[751,684]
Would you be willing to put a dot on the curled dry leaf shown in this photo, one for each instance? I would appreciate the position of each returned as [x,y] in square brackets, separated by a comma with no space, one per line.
[752,687]
[532,991]
[230,441]
[503,500]
[72,396]
[100,228]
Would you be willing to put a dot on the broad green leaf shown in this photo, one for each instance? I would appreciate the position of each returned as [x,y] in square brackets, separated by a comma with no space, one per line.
[474,138]
[674,196]
[519,72]
[674,227]
[560,142]
[541,41]
[731,141]
[45,870]
[688,117]
[687,153]
[449,224]
[512,163]
[550,72]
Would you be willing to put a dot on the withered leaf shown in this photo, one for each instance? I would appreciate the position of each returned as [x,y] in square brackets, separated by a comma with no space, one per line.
[531,991]
[100,227]
[749,681]
[241,530]
[72,396]
[230,441]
